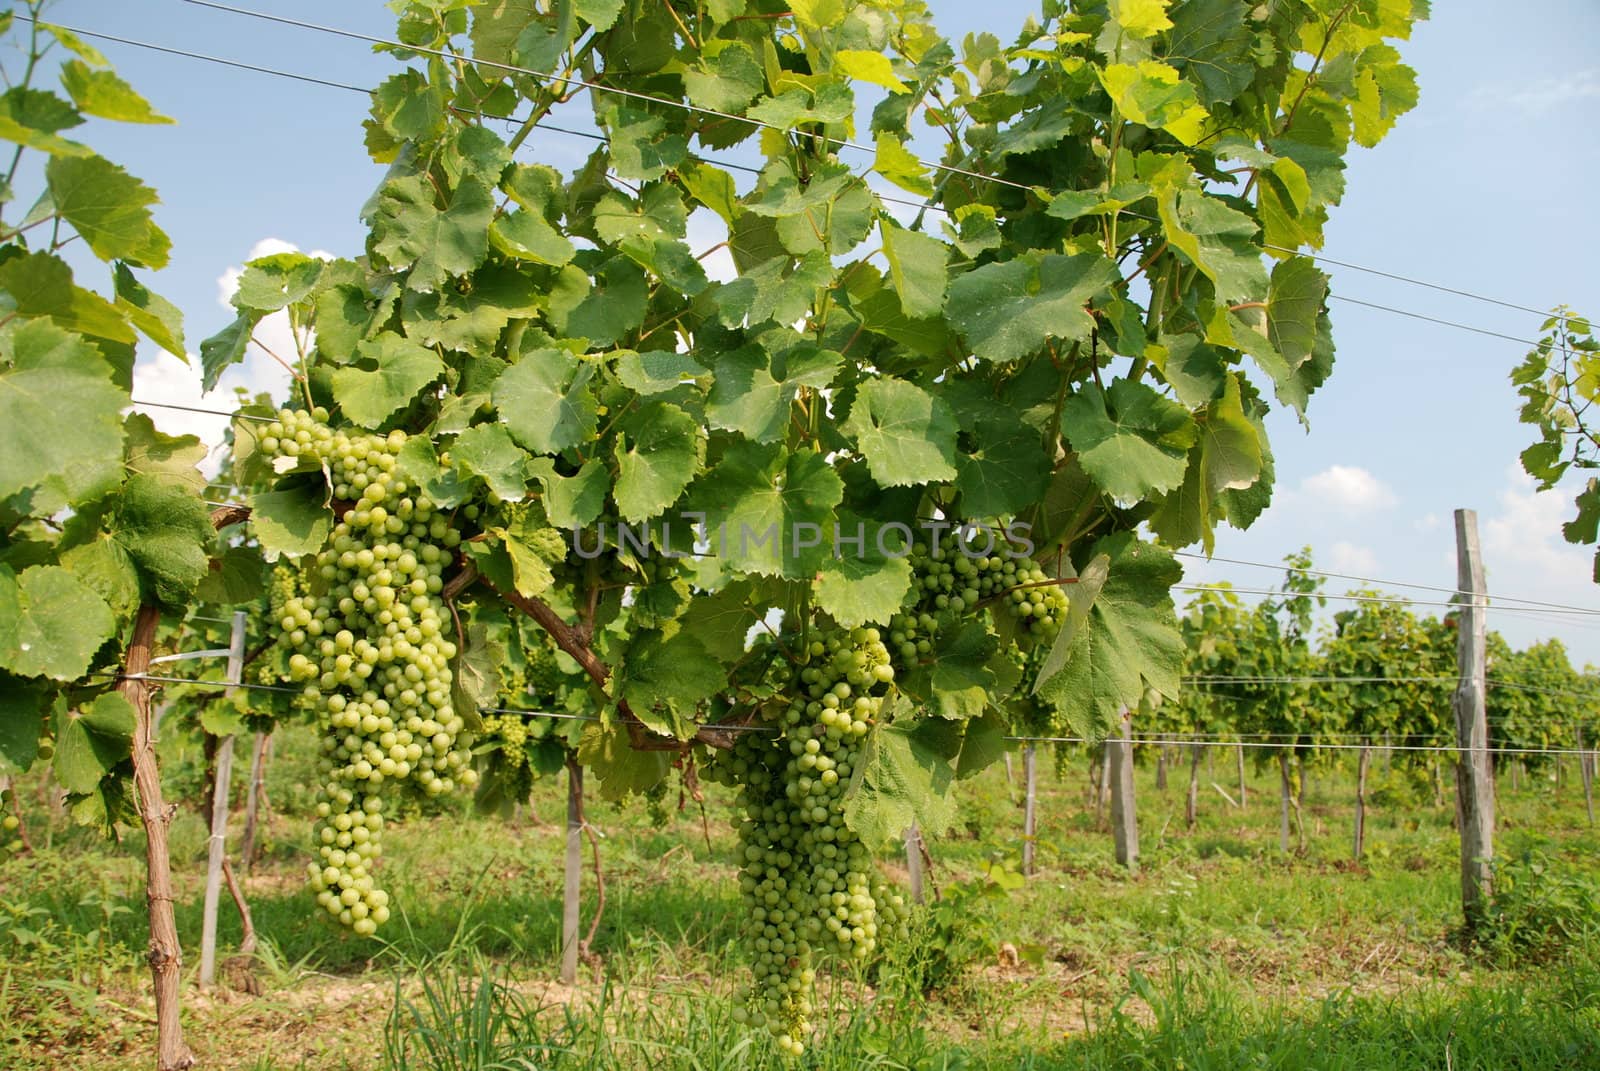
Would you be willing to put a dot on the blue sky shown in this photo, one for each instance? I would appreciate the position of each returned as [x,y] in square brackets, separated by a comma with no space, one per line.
[1487,187]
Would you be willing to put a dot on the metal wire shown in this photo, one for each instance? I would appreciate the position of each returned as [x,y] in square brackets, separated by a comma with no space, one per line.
[1455,749]
[1379,583]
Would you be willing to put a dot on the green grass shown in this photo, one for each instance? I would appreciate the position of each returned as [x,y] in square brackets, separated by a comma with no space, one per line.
[1223,952]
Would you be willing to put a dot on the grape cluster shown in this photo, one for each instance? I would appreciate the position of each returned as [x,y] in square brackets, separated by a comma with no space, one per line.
[807,880]
[961,571]
[365,626]
[10,823]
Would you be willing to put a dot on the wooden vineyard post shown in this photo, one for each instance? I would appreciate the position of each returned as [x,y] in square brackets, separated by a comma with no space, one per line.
[165,957]
[1244,792]
[1191,803]
[219,817]
[1362,765]
[1586,772]
[1474,775]
[255,800]
[1286,791]
[574,874]
[913,840]
[1030,816]
[1124,816]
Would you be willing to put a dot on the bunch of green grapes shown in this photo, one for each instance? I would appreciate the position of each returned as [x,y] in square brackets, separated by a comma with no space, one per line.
[510,742]
[366,628]
[967,568]
[807,881]
[10,822]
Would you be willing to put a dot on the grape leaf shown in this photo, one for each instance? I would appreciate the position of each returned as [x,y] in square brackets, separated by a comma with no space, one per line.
[38,284]
[156,317]
[170,458]
[104,95]
[51,623]
[917,265]
[167,532]
[664,679]
[109,208]
[1117,643]
[488,452]
[753,393]
[867,576]
[571,501]
[955,681]
[545,402]
[657,371]
[23,705]
[907,435]
[91,740]
[409,229]
[764,505]
[1130,439]
[292,520]
[903,775]
[1009,310]
[402,368]
[606,750]
[659,450]
[61,427]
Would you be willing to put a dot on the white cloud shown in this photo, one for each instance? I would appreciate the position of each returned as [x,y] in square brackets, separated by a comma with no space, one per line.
[1428,522]
[1348,488]
[1523,539]
[1345,557]
[1570,89]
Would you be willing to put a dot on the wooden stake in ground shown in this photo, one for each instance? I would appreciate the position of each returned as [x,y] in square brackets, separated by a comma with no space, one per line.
[165,957]
[1287,799]
[1362,763]
[1474,777]
[914,861]
[1029,815]
[1161,767]
[1191,803]
[255,800]
[1124,815]
[1244,795]
[574,874]
[221,787]
[1586,772]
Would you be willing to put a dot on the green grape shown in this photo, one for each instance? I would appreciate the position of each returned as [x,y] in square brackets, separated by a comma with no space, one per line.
[808,883]
[364,626]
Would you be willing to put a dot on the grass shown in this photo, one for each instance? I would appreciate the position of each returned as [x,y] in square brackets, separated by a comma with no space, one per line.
[1222,952]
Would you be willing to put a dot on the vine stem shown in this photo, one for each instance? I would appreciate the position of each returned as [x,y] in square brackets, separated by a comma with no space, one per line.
[164,956]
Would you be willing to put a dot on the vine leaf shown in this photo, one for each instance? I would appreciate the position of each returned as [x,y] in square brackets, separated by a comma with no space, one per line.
[51,623]
[544,400]
[956,682]
[292,520]
[659,450]
[606,750]
[486,451]
[917,265]
[1129,439]
[91,740]
[866,578]
[167,531]
[60,432]
[109,208]
[907,435]
[1008,310]
[752,393]
[764,505]
[1116,644]
[23,705]
[402,368]
[571,501]
[904,775]
[408,229]
[663,679]
[104,95]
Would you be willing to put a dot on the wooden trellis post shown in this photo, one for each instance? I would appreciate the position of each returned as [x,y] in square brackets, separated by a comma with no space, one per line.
[1474,773]
[1124,815]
